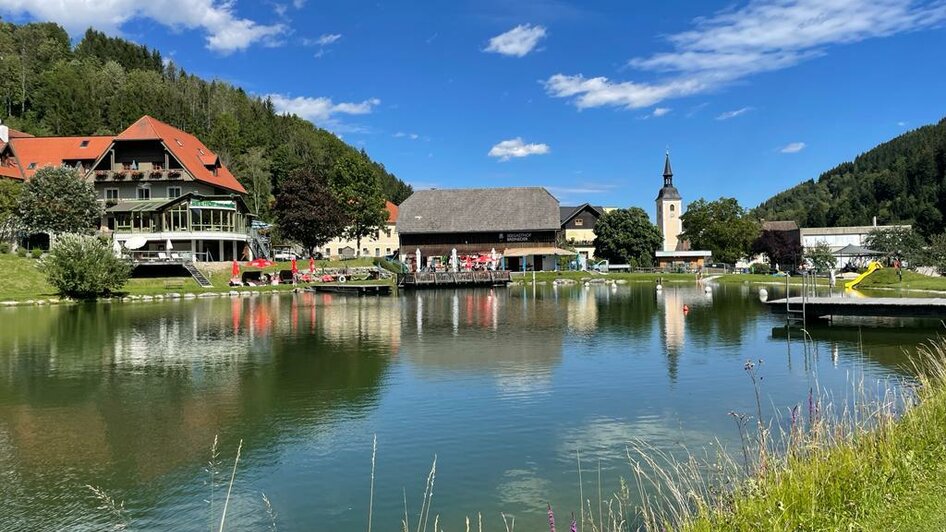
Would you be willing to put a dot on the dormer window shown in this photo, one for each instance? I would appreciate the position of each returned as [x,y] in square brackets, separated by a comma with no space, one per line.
[179,143]
[84,143]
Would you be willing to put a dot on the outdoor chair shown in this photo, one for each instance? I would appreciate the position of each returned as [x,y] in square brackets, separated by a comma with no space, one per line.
[162,255]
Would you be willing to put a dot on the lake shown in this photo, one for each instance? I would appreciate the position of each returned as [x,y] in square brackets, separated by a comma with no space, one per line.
[503,385]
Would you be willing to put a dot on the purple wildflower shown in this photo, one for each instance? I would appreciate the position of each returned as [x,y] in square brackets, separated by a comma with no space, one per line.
[551,518]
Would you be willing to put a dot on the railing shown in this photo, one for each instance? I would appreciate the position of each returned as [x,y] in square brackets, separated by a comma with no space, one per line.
[454,279]
[171,257]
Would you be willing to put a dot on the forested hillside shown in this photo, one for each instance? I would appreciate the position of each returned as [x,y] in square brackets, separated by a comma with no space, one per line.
[900,181]
[104,84]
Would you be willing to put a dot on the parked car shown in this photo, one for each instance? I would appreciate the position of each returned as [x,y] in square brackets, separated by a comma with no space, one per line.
[285,254]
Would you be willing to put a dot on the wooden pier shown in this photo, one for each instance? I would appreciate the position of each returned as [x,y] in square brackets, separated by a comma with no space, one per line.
[894,307]
[453,280]
[352,289]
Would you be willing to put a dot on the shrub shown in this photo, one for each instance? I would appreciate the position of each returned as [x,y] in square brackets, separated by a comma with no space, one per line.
[4,247]
[36,253]
[84,267]
[21,251]
[761,268]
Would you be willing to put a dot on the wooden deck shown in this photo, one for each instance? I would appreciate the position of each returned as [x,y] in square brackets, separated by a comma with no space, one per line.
[353,289]
[446,279]
[894,307]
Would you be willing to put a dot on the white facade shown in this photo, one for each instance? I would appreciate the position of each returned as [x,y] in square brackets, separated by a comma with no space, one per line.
[838,237]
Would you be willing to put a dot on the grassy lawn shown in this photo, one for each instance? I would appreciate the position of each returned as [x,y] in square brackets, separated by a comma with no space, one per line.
[891,477]
[887,278]
[630,277]
[758,278]
[20,279]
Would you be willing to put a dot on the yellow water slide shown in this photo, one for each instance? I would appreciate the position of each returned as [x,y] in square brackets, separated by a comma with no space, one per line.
[871,268]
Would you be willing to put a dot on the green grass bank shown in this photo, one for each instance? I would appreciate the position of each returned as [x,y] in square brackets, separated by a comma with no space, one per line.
[887,278]
[888,474]
[22,280]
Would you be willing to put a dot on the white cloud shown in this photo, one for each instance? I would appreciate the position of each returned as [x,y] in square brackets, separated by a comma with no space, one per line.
[733,114]
[401,135]
[793,147]
[660,111]
[328,38]
[902,123]
[321,111]
[508,149]
[226,32]
[762,36]
[518,41]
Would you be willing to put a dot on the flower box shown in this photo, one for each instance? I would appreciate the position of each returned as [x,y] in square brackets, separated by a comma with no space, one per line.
[137,174]
[157,174]
[174,173]
[119,174]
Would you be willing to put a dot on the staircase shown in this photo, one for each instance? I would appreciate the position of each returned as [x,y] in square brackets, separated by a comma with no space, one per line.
[199,277]
[259,244]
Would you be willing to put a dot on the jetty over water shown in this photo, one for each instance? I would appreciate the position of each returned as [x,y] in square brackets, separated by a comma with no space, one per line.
[449,279]
[894,307]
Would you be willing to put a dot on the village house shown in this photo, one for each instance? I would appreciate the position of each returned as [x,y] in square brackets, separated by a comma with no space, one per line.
[166,196]
[382,244]
[847,244]
[521,225]
[578,224]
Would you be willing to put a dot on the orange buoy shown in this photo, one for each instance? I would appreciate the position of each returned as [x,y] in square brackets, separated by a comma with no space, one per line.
[686,309]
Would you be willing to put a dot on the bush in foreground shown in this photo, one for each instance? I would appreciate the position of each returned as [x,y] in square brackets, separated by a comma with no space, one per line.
[84,267]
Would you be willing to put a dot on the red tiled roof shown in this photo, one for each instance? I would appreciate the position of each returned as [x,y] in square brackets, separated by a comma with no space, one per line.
[11,172]
[188,149]
[392,212]
[33,153]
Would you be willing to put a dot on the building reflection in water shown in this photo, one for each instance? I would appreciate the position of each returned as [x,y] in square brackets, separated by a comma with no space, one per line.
[672,326]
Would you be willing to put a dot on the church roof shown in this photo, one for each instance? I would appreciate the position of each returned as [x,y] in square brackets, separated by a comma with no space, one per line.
[669,192]
[668,172]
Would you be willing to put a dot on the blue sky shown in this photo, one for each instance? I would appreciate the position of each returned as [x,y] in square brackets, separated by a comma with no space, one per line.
[581,97]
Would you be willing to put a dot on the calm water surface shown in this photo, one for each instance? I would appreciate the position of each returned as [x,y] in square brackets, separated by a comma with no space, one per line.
[502,385]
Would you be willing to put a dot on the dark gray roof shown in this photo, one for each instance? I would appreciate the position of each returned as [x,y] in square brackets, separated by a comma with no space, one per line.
[566,213]
[669,192]
[779,225]
[478,210]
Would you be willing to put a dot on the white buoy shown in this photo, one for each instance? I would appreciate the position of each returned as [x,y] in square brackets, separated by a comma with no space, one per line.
[708,289]
[763,294]
[659,288]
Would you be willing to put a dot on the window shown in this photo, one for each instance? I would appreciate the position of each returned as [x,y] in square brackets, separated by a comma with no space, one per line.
[328,252]
[387,251]
[31,166]
[111,194]
[144,193]
[672,207]
[174,192]
[84,143]
[377,252]
[579,222]
[364,251]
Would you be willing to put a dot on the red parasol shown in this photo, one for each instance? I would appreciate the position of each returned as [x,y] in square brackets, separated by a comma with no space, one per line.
[260,263]
[482,259]
[295,269]
[235,269]
[311,264]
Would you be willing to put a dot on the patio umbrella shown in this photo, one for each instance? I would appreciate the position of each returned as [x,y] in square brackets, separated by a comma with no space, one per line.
[295,268]
[117,248]
[235,269]
[493,257]
[167,245]
[311,264]
[417,254]
[454,265]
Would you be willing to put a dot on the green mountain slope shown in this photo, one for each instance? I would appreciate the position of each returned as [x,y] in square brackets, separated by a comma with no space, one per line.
[104,84]
[899,181]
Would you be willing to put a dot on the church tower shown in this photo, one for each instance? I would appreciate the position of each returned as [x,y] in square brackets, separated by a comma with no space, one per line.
[669,206]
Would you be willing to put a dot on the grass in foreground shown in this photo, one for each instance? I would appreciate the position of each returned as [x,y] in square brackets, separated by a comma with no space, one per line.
[874,472]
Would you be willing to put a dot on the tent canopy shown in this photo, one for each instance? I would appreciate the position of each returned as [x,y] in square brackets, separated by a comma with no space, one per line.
[525,252]
[851,250]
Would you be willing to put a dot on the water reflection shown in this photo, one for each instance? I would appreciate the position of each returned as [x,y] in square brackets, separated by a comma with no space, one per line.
[503,384]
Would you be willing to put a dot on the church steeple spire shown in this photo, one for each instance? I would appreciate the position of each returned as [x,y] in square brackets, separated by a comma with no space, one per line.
[668,172]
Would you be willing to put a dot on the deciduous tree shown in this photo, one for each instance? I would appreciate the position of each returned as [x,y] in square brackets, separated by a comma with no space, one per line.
[358,188]
[821,258]
[896,242]
[779,246]
[307,211]
[57,201]
[720,226]
[626,236]
[84,267]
